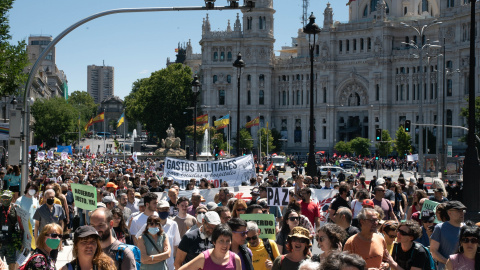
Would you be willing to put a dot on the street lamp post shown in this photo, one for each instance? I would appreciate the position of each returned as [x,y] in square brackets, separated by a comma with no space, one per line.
[239,64]
[311,29]
[471,185]
[420,48]
[195,89]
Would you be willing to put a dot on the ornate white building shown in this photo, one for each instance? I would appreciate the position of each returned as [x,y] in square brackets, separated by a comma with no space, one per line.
[365,76]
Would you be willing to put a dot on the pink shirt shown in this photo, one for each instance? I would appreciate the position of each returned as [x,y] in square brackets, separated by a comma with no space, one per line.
[460,262]
[209,264]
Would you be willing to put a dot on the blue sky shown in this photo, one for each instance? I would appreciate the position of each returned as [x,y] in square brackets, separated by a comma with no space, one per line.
[138,44]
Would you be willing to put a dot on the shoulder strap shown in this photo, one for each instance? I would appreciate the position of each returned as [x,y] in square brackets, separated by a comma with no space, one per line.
[31,258]
[151,242]
[247,256]
[281,260]
[268,247]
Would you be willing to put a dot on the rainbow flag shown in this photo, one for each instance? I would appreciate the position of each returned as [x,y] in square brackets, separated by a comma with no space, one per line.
[254,122]
[4,130]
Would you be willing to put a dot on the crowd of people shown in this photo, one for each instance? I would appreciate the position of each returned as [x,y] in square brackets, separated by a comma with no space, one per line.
[379,226]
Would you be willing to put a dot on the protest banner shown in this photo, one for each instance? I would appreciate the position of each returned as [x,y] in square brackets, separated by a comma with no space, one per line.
[277,196]
[64,156]
[4,131]
[67,149]
[266,224]
[50,155]
[430,205]
[24,217]
[234,171]
[41,156]
[85,197]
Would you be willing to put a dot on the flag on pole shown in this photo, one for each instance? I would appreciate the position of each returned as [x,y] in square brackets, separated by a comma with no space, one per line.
[88,124]
[254,122]
[202,119]
[41,145]
[349,2]
[121,120]
[270,167]
[222,121]
[206,126]
[176,50]
[99,118]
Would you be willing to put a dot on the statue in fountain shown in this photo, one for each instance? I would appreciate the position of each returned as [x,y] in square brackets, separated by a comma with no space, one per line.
[171,141]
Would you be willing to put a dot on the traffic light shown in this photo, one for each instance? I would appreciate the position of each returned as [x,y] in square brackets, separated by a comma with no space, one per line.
[244,150]
[217,151]
[376,154]
[407,125]
[33,155]
[378,134]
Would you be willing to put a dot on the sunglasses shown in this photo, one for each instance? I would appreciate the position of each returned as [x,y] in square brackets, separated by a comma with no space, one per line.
[293,218]
[244,233]
[53,235]
[253,238]
[391,236]
[472,240]
[301,240]
[264,211]
[404,233]
[241,209]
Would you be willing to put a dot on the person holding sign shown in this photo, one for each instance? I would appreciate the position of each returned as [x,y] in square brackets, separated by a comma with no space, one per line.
[264,251]
[298,246]
[220,257]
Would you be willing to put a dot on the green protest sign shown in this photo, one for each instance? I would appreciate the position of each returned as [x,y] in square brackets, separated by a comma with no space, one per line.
[430,205]
[85,197]
[266,224]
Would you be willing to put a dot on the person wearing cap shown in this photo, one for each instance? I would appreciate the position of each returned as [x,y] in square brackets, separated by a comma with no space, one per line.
[44,256]
[102,220]
[109,202]
[368,243]
[197,241]
[170,228]
[445,236]
[298,246]
[428,223]
[255,195]
[421,184]
[111,187]
[87,251]
[150,201]
[438,196]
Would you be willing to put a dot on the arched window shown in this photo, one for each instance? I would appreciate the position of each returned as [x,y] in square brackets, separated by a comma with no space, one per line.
[425,5]
[215,56]
[261,78]
[261,97]
[249,77]
[373,5]
[340,46]
[284,98]
[449,122]
[229,79]
[365,11]
[405,11]
[222,56]
[229,56]
[221,97]
[249,97]
[298,97]
[215,78]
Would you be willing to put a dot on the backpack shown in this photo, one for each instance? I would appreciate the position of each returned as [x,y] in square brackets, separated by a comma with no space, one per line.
[135,250]
[430,263]
[24,266]
[268,247]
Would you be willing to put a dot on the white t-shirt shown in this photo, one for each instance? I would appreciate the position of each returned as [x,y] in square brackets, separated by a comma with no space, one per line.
[138,222]
[356,207]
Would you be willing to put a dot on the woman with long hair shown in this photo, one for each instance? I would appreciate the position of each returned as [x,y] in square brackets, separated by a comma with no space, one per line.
[417,196]
[120,228]
[468,255]
[220,257]
[239,208]
[87,251]
[329,238]
[154,245]
[48,241]
[401,203]
[14,179]
[298,246]
[290,221]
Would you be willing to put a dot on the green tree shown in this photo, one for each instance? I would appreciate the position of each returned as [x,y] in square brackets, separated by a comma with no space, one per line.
[361,146]
[277,136]
[385,147]
[54,118]
[246,140]
[403,143]
[84,103]
[464,113]
[161,99]
[343,148]
[13,58]
[263,135]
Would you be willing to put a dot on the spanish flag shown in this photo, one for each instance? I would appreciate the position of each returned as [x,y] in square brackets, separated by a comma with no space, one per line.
[254,122]
[202,119]
[222,122]
[121,120]
[88,124]
[99,118]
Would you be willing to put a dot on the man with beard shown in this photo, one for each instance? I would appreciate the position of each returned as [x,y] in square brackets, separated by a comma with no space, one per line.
[197,241]
[150,201]
[122,204]
[102,220]
[309,208]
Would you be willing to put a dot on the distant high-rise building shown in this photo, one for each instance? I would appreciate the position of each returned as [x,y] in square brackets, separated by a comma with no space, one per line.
[100,82]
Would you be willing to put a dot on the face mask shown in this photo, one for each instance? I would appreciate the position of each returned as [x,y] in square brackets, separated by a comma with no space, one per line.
[31,192]
[200,217]
[64,192]
[53,243]
[163,215]
[50,201]
[153,230]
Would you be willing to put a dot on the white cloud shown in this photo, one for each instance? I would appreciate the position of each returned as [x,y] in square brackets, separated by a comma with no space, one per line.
[145,71]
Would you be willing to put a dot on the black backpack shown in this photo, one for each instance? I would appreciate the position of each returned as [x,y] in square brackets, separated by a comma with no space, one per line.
[268,247]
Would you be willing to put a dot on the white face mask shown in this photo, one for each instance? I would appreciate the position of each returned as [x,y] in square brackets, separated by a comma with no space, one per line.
[31,192]
[200,217]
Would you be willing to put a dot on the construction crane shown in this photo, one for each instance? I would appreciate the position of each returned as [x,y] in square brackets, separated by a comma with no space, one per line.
[305,12]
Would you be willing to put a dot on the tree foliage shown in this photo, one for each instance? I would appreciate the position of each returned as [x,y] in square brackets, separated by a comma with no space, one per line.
[403,143]
[385,147]
[464,113]
[13,58]
[84,103]
[246,140]
[361,146]
[343,148]
[161,99]
[263,135]
[276,135]
[54,118]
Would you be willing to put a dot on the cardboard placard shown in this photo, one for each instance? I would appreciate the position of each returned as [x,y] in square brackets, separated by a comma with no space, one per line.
[85,197]
[266,224]
[430,205]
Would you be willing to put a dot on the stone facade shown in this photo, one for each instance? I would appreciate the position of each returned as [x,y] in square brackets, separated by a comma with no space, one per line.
[365,77]
[113,108]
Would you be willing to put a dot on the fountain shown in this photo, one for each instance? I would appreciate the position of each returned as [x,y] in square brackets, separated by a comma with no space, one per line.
[134,135]
[205,145]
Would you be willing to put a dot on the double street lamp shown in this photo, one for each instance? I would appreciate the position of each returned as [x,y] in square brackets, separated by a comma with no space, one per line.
[311,29]
[239,64]
[195,90]
[420,48]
